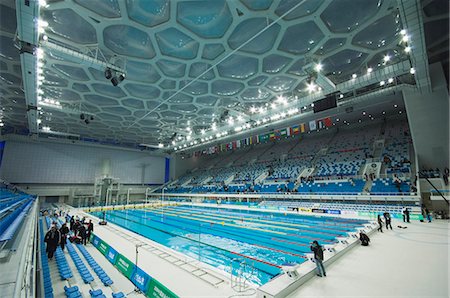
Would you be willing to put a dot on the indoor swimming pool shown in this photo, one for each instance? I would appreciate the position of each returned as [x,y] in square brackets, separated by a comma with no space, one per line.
[225,237]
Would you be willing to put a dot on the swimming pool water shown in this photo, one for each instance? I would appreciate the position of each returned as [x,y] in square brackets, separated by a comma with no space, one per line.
[216,236]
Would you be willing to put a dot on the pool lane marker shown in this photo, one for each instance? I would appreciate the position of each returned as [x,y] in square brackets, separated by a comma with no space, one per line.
[222,223]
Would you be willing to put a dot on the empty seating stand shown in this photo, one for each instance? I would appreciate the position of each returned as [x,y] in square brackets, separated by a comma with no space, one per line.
[84,272]
[97,293]
[106,280]
[72,292]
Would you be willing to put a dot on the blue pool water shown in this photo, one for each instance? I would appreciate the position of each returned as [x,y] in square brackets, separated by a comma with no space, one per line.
[216,236]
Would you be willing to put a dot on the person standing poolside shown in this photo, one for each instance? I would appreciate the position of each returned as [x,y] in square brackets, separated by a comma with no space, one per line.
[407,214]
[318,258]
[380,224]
[387,219]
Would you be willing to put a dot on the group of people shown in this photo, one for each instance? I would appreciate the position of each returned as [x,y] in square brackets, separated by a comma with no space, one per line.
[387,220]
[79,232]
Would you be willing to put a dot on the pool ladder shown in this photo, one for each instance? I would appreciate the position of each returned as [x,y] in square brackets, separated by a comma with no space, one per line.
[239,281]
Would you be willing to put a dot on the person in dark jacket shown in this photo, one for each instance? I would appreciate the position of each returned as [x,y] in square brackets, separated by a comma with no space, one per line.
[380,224]
[82,233]
[72,223]
[387,219]
[407,215]
[318,258]
[90,229]
[52,239]
[364,239]
[64,231]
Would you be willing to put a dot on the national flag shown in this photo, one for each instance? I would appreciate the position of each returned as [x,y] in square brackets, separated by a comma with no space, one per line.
[320,124]
[254,139]
[328,122]
[295,130]
[283,132]
[312,125]
[238,143]
[250,141]
[234,145]
[302,127]
[272,136]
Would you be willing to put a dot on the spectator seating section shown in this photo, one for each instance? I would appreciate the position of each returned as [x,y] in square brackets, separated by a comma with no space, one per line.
[61,261]
[72,292]
[339,186]
[48,289]
[13,209]
[106,280]
[387,186]
[284,160]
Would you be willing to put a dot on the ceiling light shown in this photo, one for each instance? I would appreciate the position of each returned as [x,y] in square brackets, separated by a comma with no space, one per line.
[173,143]
[240,119]
[403,32]
[188,137]
[311,87]
[390,80]
[262,110]
[252,110]
[230,120]
[405,38]
[382,83]
[2,124]
[318,67]
[273,105]
[384,112]
[312,105]
[354,76]
[363,113]
[238,128]
[175,148]
[202,131]
[44,37]
[218,135]
[337,119]
[395,106]
[258,122]
[386,58]
[43,3]
[161,145]
[341,95]
[369,70]
[412,70]
[214,126]
[407,49]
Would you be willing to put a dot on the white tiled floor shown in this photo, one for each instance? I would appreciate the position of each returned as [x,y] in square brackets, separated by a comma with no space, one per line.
[412,262]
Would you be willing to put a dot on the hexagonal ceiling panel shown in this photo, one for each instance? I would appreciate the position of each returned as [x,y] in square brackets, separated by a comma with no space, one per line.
[188,63]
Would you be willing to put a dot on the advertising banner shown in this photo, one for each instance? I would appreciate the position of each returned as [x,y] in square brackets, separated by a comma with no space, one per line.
[96,241]
[112,255]
[124,265]
[140,279]
[157,290]
[103,247]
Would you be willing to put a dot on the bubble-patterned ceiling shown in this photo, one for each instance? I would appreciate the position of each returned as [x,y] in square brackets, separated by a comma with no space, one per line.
[190,62]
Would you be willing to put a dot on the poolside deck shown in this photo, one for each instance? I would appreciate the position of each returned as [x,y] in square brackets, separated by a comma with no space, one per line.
[411,262]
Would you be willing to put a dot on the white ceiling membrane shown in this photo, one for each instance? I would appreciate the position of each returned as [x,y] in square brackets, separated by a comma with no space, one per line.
[191,65]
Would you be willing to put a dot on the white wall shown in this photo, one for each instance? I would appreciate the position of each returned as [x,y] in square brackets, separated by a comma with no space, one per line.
[46,162]
[429,121]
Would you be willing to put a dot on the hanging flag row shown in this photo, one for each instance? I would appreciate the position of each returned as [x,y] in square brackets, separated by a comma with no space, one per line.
[271,136]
